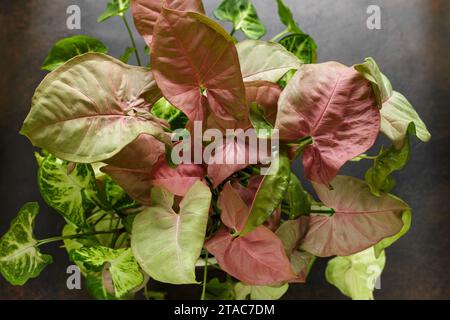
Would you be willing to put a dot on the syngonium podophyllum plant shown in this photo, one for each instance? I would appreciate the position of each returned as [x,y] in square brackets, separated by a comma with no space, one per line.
[104,129]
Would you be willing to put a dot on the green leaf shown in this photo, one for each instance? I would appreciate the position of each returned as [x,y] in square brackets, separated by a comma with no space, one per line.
[259,121]
[68,188]
[379,176]
[116,196]
[355,275]
[243,15]
[260,292]
[166,111]
[270,192]
[297,199]
[167,244]
[386,242]
[68,48]
[266,61]
[96,288]
[20,258]
[85,112]
[302,46]
[114,8]
[287,18]
[125,57]
[397,114]
[216,290]
[123,267]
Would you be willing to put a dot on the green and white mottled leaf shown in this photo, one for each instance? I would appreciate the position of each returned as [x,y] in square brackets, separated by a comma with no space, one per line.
[216,290]
[383,244]
[379,176]
[302,46]
[243,15]
[68,188]
[243,291]
[90,108]
[116,196]
[20,258]
[96,288]
[355,276]
[397,113]
[167,244]
[67,48]
[287,18]
[297,199]
[164,110]
[268,61]
[114,8]
[123,267]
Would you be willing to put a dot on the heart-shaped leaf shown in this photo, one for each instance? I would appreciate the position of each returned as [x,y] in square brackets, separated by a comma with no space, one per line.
[355,275]
[397,114]
[91,108]
[146,13]
[234,211]
[298,200]
[20,258]
[70,191]
[189,73]
[360,221]
[167,244]
[243,15]
[267,61]
[302,45]
[123,268]
[260,292]
[257,258]
[334,105]
[67,48]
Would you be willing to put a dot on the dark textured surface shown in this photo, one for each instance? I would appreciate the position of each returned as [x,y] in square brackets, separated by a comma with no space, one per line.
[413,50]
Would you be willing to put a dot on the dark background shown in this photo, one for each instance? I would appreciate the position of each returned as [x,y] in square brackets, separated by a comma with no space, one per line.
[412,49]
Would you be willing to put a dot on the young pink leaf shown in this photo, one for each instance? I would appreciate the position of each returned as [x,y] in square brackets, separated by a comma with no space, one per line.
[194,59]
[234,212]
[360,221]
[258,258]
[336,106]
[146,13]
[266,95]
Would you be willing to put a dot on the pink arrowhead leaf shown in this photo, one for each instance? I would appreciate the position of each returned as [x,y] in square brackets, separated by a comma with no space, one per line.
[146,13]
[360,221]
[258,258]
[235,211]
[202,64]
[336,106]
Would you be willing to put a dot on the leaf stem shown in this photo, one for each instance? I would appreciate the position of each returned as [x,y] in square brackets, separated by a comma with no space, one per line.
[233,31]
[205,277]
[281,34]
[133,42]
[74,236]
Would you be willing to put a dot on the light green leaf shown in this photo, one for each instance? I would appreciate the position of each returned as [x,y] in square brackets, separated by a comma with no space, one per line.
[167,244]
[259,121]
[260,292]
[397,113]
[261,60]
[67,48]
[287,18]
[92,107]
[302,46]
[164,110]
[386,242]
[243,15]
[114,8]
[125,57]
[20,258]
[379,176]
[216,290]
[297,199]
[355,276]
[96,288]
[123,267]
[68,188]
[270,192]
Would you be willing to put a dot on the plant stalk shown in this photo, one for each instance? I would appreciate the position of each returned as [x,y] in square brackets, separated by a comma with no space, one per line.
[74,236]
[133,42]
[205,276]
